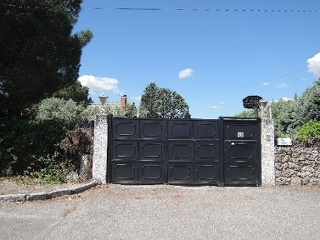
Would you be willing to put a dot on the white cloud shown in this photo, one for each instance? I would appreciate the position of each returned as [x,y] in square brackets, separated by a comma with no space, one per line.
[282,85]
[214,107]
[265,84]
[286,99]
[93,93]
[186,73]
[136,98]
[314,65]
[217,106]
[99,83]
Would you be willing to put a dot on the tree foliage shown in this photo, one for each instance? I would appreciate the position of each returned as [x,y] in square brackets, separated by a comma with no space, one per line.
[162,103]
[131,110]
[28,146]
[290,115]
[39,54]
[309,132]
[283,114]
[308,105]
[246,114]
[68,112]
[299,117]
[149,99]
[76,92]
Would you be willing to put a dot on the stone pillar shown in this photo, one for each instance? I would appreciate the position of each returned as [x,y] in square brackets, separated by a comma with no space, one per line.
[267,152]
[100,153]
[84,167]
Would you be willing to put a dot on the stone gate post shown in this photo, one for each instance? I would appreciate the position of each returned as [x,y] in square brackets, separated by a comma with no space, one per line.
[100,153]
[267,152]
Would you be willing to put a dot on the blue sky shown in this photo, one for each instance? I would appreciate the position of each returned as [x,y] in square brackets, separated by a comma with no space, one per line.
[213,53]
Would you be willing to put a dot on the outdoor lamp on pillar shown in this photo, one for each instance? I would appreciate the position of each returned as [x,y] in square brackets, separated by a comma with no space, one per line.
[103,99]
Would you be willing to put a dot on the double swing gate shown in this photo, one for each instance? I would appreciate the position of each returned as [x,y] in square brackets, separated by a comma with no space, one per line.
[224,151]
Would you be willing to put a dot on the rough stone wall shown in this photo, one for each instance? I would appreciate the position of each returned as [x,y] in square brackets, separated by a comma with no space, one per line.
[297,165]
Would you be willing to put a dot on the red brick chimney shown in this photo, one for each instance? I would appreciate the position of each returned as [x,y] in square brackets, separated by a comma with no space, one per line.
[123,101]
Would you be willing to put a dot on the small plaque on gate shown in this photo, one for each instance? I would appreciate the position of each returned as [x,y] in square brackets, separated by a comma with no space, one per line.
[240,134]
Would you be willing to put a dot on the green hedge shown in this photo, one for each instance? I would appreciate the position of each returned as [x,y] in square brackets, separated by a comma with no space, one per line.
[27,146]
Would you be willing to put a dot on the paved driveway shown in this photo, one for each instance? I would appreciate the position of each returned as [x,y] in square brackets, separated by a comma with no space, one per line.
[168,212]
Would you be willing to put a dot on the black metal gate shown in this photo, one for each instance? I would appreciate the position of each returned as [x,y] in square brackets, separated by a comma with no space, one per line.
[223,151]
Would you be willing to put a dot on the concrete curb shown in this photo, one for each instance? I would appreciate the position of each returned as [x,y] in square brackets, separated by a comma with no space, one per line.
[49,195]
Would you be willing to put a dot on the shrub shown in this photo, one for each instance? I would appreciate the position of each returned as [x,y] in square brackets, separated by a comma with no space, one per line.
[76,143]
[43,148]
[309,133]
[25,145]
[54,170]
[68,112]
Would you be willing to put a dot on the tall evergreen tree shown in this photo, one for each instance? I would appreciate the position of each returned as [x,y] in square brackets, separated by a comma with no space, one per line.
[283,115]
[162,103]
[308,105]
[39,54]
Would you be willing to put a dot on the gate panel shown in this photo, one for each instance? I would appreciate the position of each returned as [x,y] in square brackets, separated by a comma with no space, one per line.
[206,173]
[125,150]
[187,152]
[152,167]
[152,172]
[180,173]
[125,128]
[180,151]
[242,158]
[241,130]
[125,172]
[153,129]
[206,129]
[242,174]
[207,151]
[180,129]
[152,151]
[241,151]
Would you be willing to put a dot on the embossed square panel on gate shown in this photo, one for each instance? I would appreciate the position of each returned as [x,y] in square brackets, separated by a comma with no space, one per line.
[241,151]
[125,150]
[206,173]
[125,172]
[180,129]
[151,151]
[125,128]
[153,129]
[180,173]
[242,174]
[207,151]
[152,172]
[180,151]
[206,129]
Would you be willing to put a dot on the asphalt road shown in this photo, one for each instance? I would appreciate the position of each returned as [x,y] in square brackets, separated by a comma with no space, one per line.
[168,212]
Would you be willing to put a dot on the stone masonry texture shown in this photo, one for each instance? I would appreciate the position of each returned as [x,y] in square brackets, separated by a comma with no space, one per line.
[297,165]
[267,153]
[99,163]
